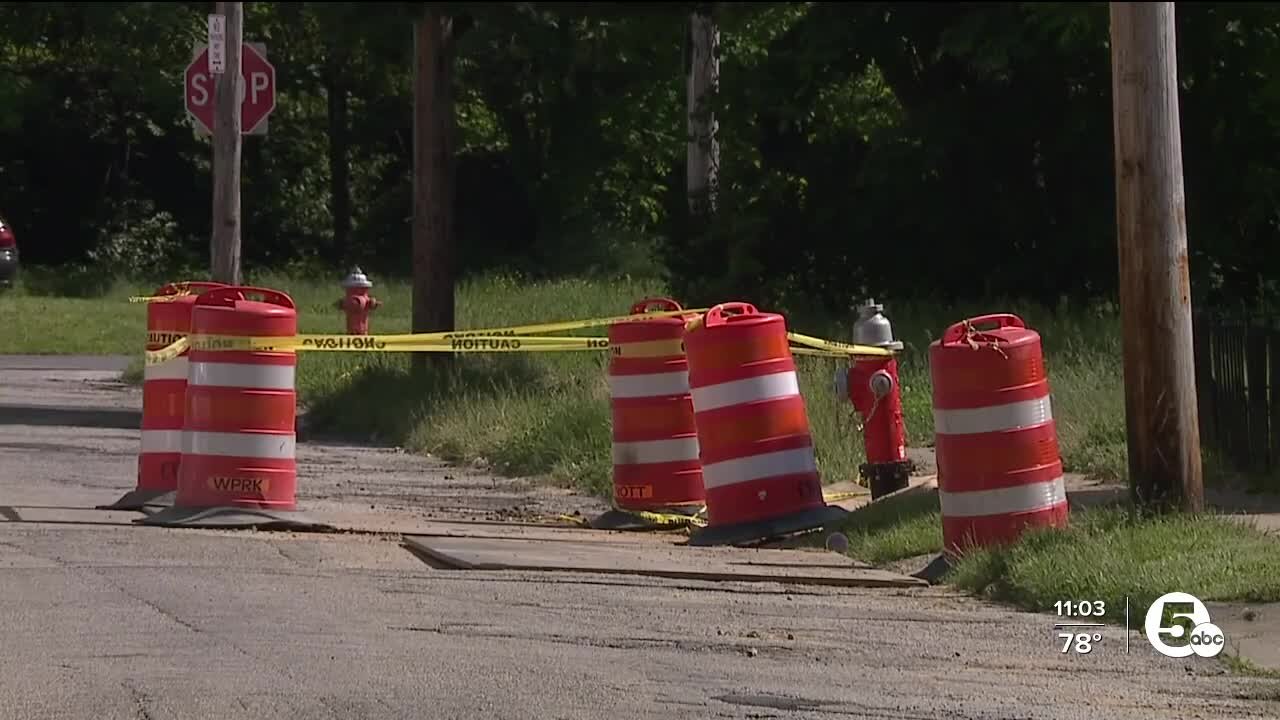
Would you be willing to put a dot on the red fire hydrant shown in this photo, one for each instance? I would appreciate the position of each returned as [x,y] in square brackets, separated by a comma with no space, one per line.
[871,383]
[357,303]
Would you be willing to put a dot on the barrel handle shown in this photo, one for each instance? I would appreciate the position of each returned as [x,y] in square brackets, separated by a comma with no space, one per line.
[956,332]
[177,288]
[664,304]
[716,315]
[230,293]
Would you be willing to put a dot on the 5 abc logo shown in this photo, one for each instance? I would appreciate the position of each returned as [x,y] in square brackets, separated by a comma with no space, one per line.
[1188,623]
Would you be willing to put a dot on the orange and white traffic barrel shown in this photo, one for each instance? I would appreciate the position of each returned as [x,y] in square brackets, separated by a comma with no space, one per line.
[999,468]
[164,390]
[238,463]
[656,470]
[758,463]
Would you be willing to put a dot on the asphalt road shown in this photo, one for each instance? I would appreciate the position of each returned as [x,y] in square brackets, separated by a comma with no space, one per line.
[105,619]
[91,363]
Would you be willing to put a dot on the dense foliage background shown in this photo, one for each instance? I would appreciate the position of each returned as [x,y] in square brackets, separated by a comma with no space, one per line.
[903,149]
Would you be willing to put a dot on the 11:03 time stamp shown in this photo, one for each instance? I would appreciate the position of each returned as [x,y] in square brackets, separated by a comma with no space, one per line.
[1080,624]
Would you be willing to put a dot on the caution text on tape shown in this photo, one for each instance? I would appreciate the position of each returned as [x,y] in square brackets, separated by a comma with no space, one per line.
[167,353]
[164,339]
[397,343]
[376,343]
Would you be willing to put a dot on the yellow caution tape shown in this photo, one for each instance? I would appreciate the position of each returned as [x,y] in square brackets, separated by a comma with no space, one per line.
[155,337]
[399,343]
[413,343]
[840,496]
[558,326]
[699,519]
[674,348]
[376,343]
[183,291]
[425,343]
[165,354]
[688,521]
[837,347]
[668,519]
[578,520]
[648,349]
[812,352]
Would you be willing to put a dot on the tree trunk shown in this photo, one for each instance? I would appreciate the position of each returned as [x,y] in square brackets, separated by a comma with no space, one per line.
[433,179]
[339,156]
[1155,290]
[702,82]
[224,247]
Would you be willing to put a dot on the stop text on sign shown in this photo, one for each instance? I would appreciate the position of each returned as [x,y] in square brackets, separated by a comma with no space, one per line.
[257,90]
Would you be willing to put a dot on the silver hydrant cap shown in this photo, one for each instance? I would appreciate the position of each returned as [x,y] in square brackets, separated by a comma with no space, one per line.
[357,279]
[873,328]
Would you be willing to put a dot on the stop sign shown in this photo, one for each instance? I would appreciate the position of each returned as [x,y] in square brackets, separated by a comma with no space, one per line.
[257,88]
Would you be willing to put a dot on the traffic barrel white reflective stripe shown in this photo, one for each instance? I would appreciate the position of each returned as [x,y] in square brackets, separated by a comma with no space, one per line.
[259,446]
[747,390]
[649,385]
[800,461]
[645,452]
[162,441]
[1004,501]
[242,375]
[996,418]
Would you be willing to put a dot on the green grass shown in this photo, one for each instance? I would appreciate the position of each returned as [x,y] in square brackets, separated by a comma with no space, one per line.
[1245,666]
[545,414]
[1108,554]
[1105,553]
[893,528]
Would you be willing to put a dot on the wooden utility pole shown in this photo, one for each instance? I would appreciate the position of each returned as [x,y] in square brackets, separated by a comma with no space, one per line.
[433,177]
[225,246]
[1155,288]
[702,81]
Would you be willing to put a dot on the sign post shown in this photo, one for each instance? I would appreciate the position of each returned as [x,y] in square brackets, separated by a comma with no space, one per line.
[229,89]
[228,110]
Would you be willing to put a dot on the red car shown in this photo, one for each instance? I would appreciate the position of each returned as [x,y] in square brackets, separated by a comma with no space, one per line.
[8,253]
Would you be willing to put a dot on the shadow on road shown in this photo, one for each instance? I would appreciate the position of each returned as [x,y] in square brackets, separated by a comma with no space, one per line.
[68,515]
[118,419]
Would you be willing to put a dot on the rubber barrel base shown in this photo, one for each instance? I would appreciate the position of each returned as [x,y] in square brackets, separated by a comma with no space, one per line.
[885,478]
[139,499]
[935,570]
[232,518]
[761,530]
[619,519]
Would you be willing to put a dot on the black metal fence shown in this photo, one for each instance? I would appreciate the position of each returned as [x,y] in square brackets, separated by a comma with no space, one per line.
[1238,390]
